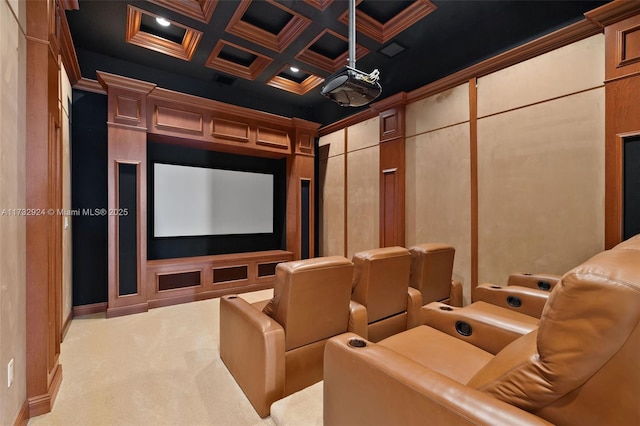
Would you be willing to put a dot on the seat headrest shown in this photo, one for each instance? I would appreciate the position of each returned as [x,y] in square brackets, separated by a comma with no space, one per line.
[431,270]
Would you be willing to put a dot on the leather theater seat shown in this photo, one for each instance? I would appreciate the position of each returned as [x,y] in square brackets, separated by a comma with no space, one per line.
[275,348]
[578,367]
[431,273]
[383,304]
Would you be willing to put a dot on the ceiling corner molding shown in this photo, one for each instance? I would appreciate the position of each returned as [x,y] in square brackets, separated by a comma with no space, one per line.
[107,80]
[319,4]
[385,32]
[134,35]
[310,57]
[393,101]
[200,10]
[68,52]
[301,88]
[562,37]
[89,85]
[613,12]
[277,42]
[250,72]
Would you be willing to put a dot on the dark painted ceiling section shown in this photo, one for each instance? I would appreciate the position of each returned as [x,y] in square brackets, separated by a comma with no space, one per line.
[454,36]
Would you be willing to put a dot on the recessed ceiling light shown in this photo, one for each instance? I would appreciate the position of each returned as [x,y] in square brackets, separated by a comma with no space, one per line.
[294,69]
[163,22]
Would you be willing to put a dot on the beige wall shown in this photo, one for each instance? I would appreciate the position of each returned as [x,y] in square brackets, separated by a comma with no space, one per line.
[540,165]
[67,290]
[12,196]
[438,186]
[363,183]
[332,192]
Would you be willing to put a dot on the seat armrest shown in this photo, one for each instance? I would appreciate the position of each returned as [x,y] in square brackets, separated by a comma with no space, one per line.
[375,385]
[252,346]
[481,324]
[455,297]
[525,300]
[414,304]
[358,319]
[544,282]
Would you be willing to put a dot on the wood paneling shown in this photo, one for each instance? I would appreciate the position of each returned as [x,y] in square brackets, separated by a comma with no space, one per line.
[473,178]
[249,72]
[231,130]
[272,137]
[180,121]
[200,10]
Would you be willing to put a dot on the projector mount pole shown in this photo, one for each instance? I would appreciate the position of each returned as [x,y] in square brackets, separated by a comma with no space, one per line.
[352,34]
[375,74]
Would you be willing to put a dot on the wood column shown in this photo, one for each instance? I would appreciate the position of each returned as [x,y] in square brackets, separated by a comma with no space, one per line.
[301,190]
[621,23]
[391,112]
[43,199]
[127,149]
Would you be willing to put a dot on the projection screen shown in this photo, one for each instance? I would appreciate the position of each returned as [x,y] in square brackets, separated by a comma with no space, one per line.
[191,201]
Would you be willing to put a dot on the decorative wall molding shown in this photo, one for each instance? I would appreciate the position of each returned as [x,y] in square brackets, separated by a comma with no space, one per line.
[200,10]
[613,12]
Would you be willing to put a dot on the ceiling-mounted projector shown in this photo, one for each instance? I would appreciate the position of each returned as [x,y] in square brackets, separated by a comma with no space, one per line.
[351,87]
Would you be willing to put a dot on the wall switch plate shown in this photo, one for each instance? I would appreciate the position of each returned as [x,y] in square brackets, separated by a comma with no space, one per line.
[10,373]
[66,222]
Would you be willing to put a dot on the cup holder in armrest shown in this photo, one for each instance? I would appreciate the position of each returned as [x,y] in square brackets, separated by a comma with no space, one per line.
[464,328]
[445,308]
[544,285]
[496,286]
[357,343]
[514,301]
[232,297]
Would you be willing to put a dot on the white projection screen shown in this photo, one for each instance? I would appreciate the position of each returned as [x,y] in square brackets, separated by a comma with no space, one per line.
[195,201]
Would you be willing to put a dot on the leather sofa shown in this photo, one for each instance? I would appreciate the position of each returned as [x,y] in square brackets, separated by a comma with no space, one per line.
[382,303]
[275,347]
[578,367]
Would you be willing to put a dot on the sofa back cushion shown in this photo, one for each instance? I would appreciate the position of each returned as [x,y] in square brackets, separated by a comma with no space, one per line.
[591,315]
[381,281]
[431,270]
[311,299]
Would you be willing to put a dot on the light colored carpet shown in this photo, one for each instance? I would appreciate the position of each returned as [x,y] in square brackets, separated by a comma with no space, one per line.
[160,367]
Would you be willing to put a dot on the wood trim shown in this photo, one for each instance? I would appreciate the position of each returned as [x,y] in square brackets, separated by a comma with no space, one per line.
[319,4]
[473,160]
[68,51]
[324,62]
[135,35]
[127,310]
[618,63]
[200,10]
[277,42]
[23,415]
[301,88]
[43,403]
[382,33]
[95,308]
[66,325]
[613,12]
[351,120]
[346,193]
[250,72]
[392,192]
[89,85]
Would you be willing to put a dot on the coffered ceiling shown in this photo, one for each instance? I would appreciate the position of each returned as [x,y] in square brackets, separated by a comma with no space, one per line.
[242,52]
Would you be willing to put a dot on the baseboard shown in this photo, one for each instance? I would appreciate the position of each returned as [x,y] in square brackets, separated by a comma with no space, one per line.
[23,415]
[95,308]
[127,310]
[43,404]
[65,325]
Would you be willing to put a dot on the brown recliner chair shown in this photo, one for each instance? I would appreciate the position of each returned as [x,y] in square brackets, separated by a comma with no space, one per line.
[382,303]
[579,367]
[277,350]
[524,293]
[431,271]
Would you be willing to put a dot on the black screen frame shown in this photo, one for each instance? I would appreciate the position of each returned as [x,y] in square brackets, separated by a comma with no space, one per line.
[206,245]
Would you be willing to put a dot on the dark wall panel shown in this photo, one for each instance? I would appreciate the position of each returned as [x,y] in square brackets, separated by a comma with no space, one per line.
[631,187]
[89,192]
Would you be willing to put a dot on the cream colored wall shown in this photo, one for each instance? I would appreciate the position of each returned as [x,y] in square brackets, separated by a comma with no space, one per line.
[332,192]
[67,290]
[438,197]
[541,163]
[363,182]
[12,196]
